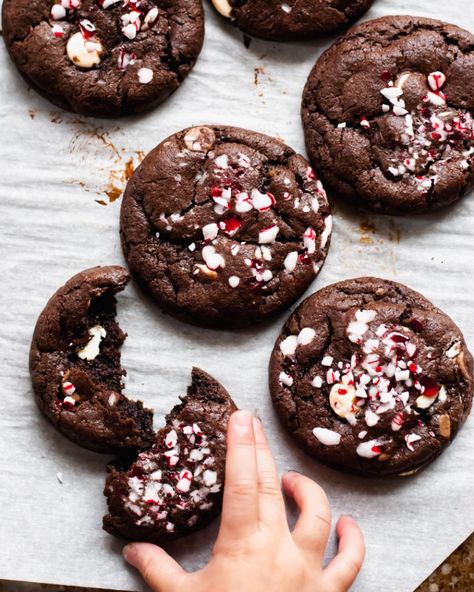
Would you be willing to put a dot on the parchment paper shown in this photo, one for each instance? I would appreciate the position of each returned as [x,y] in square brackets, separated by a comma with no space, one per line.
[54,168]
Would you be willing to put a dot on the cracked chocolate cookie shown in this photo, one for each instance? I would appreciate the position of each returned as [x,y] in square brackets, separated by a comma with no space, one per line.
[75,365]
[368,375]
[285,20]
[224,226]
[174,487]
[104,57]
[388,114]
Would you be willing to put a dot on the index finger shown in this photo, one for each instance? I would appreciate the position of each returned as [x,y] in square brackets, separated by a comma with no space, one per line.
[240,509]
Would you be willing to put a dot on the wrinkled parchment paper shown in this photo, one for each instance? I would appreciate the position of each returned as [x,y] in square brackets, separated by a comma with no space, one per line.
[56,167]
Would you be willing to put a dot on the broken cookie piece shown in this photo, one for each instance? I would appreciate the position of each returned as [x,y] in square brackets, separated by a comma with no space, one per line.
[75,365]
[174,487]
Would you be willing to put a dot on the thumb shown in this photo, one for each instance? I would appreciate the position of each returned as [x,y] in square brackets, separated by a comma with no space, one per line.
[158,569]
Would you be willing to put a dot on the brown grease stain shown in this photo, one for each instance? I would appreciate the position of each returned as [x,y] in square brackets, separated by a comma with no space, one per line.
[366,229]
[32,113]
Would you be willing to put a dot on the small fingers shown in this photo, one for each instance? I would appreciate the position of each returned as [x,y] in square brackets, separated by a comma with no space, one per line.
[158,569]
[271,507]
[312,529]
[344,568]
[240,509]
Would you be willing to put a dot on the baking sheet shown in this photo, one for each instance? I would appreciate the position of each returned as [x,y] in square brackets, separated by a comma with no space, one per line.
[62,176]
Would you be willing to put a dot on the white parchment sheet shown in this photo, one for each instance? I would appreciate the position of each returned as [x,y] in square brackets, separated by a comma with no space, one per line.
[54,168]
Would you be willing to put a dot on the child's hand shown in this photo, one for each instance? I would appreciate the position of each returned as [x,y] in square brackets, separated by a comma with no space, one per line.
[255,550]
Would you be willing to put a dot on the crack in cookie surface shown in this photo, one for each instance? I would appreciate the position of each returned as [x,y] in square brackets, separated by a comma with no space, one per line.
[225,226]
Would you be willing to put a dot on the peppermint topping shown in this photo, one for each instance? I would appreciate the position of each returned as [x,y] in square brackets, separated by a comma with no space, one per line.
[290,261]
[327,437]
[155,492]
[289,344]
[370,449]
[434,134]
[268,235]
[286,379]
[232,207]
[382,379]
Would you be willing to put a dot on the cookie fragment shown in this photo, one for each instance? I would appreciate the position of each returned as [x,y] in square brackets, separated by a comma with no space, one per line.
[388,121]
[380,385]
[174,487]
[75,365]
[224,226]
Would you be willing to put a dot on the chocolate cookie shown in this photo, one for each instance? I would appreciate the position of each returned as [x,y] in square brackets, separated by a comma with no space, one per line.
[368,375]
[104,57]
[388,114]
[224,226]
[291,19]
[75,365]
[174,487]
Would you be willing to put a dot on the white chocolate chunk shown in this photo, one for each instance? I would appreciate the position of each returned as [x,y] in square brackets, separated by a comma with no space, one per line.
[199,139]
[288,346]
[82,53]
[58,12]
[327,437]
[145,75]
[286,379]
[342,399]
[268,235]
[210,231]
[223,7]
[290,261]
[306,336]
[371,418]
[454,350]
[91,350]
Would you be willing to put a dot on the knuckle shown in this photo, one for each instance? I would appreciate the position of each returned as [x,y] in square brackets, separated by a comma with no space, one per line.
[354,566]
[268,487]
[241,488]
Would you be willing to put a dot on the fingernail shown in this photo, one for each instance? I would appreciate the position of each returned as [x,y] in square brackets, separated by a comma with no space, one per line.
[243,420]
[348,517]
[129,553]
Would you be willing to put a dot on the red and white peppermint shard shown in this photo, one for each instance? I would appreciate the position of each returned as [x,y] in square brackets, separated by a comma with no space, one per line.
[262,201]
[58,31]
[68,388]
[184,482]
[409,439]
[268,235]
[436,80]
[309,240]
[171,439]
[369,449]
[210,231]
